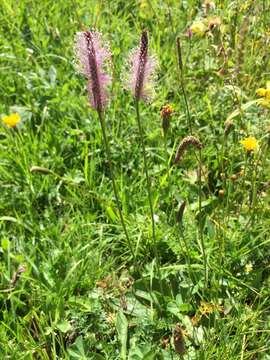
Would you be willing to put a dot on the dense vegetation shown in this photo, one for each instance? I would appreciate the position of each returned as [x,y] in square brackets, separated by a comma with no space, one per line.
[72,285]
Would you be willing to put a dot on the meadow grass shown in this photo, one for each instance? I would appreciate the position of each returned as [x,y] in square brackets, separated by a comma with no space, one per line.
[70,286]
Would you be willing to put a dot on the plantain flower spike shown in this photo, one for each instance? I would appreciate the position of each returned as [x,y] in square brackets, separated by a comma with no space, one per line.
[93,57]
[142,70]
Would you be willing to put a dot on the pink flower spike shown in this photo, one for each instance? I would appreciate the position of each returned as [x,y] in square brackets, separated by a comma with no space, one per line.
[142,69]
[93,56]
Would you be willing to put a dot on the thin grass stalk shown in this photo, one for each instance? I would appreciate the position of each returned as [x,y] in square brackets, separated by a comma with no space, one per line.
[108,152]
[138,118]
[182,237]
[201,238]
[182,82]
[257,179]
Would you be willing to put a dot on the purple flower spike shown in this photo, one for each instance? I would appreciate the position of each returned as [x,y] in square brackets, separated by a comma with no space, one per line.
[142,71]
[93,55]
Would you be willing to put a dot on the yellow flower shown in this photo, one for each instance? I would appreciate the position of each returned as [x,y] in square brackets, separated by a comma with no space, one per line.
[267,93]
[264,92]
[198,28]
[261,92]
[264,102]
[11,120]
[249,143]
[248,268]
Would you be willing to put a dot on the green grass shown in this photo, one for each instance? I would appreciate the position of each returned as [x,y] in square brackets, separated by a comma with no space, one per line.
[82,294]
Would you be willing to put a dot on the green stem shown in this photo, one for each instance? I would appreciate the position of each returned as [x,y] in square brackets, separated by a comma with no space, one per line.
[243,183]
[182,82]
[201,220]
[262,156]
[108,151]
[147,181]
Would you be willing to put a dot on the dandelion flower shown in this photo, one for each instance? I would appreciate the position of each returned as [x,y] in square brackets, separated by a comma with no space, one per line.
[11,120]
[264,102]
[249,143]
[261,92]
[198,28]
[264,93]
[93,56]
[142,70]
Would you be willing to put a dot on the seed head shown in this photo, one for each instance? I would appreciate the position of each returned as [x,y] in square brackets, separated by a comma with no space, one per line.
[93,55]
[142,68]
[188,140]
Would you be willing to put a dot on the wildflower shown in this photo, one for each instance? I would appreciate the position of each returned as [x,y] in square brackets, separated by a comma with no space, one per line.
[188,140]
[249,143]
[205,309]
[93,55]
[264,102]
[165,114]
[261,92]
[166,111]
[248,268]
[264,94]
[11,120]
[198,28]
[142,68]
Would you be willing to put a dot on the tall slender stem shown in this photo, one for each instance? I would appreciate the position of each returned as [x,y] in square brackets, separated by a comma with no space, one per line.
[201,220]
[108,151]
[147,180]
[182,82]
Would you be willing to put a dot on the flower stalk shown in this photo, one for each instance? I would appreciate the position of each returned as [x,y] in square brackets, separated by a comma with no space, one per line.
[93,55]
[142,70]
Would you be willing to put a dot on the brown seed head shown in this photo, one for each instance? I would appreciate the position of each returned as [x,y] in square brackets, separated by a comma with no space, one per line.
[187,141]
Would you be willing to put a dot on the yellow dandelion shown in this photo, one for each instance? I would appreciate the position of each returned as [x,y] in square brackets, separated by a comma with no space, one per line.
[11,120]
[267,93]
[264,102]
[261,92]
[198,28]
[264,92]
[249,143]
